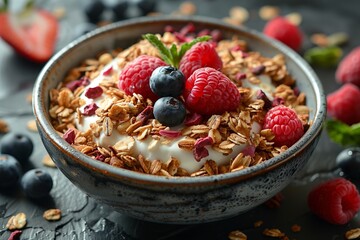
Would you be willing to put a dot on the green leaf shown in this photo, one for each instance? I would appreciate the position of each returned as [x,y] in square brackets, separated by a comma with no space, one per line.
[325,57]
[163,50]
[342,133]
[172,56]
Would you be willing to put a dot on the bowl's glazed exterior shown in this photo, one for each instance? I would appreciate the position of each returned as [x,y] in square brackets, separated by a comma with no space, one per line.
[186,199]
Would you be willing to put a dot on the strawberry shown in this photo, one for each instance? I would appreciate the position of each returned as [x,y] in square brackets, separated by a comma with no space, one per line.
[285,124]
[202,54]
[343,104]
[336,201]
[348,70]
[32,35]
[284,31]
[208,91]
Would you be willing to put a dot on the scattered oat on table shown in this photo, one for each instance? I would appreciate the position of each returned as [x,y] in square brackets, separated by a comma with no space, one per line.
[295,18]
[238,13]
[59,12]
[31,125]
[4,127]
[29,98]
[17,221]
[258,223]
[353,233]
[296,228]
[237,235]
[268,12]
[52,214]
[48,162]
[273,232]
[187,8]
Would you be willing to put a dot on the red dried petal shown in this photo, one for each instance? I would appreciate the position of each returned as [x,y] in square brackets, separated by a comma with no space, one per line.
[249,151]
[261,95]
[240,76]
[146,114]
[199,150]
[15,235]
[202,142]
[258,70]
[193,119]
[84,81]
[277,101]
[69,136]
[170,133]
[94,92]
[108,71]
[90,109]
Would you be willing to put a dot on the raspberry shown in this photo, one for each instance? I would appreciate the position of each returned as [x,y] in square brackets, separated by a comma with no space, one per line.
[284,31]
[202,54]
[343,104]
[208,91]
[285,124]
[134,78]
[348,70]
[336,201]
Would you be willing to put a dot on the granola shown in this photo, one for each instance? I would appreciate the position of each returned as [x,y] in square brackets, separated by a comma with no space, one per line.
[118,130]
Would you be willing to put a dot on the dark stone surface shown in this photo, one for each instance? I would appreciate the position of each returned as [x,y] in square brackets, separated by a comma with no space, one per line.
[83,218]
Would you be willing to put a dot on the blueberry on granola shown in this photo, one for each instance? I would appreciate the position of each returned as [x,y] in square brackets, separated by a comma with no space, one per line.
[10,170]
[36,183]
[169,111]
[17,145]
[349,162]
[167,81]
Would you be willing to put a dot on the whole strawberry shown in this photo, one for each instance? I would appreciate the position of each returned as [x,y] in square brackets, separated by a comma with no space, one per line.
[285,125]
[336,201]
[202,54]
[134,78]
[284,31]
[343,104]
[348,70]
[208,91]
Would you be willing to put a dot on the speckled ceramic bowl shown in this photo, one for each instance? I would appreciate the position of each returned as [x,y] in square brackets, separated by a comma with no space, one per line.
[175,200]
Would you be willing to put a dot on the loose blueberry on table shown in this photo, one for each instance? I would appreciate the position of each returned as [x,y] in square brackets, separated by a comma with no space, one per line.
[10,171]
[37,183]
[348,161]
[18,145]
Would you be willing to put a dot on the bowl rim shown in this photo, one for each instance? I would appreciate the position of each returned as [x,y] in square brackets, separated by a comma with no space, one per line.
[119,173]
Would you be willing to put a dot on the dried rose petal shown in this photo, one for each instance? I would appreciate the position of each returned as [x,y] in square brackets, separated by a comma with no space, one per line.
[108,71]
[199,150]
[169,28]
[189,28]
[216,35]
[237,48]
[296,91]
[249,151]
[170,133]
[94,92]
[193,119]
[99,156]
[69,136]
[84,81]
[277,101]
[15,235]
[146,114]
[204,32]
[90,109]
[261,95]
[258,70]
[240,76]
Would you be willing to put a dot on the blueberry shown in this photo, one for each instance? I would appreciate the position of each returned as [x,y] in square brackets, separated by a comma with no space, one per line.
[169,111]
[36,183]
[10,171]
[146,6]
[120,9]
[94,10]
[17,145]
[167,81]
[349,162]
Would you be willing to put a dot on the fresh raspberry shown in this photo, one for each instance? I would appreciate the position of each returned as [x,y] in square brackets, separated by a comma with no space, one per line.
[208,91]
[200,55]
[343,104]
[285,124]
[284,31]
[348,70]
[336,201]
[134,78]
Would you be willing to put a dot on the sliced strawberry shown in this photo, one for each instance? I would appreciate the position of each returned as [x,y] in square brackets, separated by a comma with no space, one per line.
[34,37]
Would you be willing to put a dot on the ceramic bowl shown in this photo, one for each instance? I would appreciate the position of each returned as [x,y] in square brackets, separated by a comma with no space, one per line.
[175,200]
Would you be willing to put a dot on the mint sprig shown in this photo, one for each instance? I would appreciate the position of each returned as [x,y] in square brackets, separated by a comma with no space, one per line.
[172,55]
[342,133]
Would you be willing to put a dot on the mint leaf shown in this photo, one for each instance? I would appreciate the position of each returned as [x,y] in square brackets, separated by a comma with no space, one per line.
[172,56]
[342,133]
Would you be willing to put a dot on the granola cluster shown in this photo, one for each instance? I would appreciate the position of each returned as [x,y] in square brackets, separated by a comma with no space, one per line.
[129,115]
